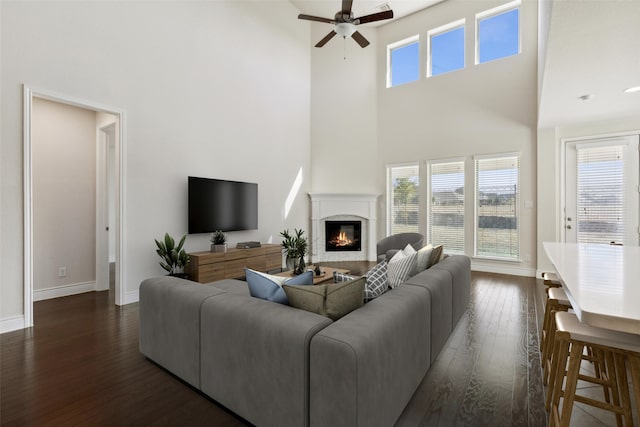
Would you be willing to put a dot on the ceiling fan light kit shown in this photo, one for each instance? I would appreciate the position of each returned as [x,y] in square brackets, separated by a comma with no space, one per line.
[345,23]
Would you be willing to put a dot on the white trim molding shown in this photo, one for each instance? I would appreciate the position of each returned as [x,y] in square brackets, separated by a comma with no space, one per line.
[477,265]
[13,323]
[63,291]
[28,94]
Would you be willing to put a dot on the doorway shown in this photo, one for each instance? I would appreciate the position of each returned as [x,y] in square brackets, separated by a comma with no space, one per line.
[110,145]
[602,197]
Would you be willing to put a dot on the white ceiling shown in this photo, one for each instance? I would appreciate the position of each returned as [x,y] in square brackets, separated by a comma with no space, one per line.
[328,8]
[594,48]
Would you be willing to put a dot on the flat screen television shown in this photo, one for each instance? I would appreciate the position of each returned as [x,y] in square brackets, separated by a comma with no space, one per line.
[216,204]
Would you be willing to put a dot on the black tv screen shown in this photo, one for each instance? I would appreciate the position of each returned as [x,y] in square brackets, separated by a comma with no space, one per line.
[216,204]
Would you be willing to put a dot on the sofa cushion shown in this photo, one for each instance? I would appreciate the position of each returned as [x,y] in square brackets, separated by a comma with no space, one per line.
[331,300]
[400,267]
[436,255]
[424,256]
[269,287]
[377,281]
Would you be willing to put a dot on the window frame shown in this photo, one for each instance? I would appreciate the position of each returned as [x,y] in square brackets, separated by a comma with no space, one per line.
[507,7]
[460,23]
[429,164]
[396,45]
[389,195]
[518,208]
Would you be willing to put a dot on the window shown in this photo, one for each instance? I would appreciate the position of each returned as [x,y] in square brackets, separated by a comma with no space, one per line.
[403,62]
[402,198]
[446,205]
[498,32]
[445,48]
[497,206]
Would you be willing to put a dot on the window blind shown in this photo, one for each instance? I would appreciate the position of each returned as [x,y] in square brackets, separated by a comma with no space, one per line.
[446,205]
[600,214]
[497,202]
[404,183]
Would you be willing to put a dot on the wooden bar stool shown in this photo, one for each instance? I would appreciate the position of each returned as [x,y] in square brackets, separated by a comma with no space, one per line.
[556,301]
[571,338]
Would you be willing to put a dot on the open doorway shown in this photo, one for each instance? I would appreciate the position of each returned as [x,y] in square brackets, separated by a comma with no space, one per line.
[106,225]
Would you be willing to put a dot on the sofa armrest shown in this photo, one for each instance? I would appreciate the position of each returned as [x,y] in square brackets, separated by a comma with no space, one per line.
[255,358]
[365,367]
[170,324]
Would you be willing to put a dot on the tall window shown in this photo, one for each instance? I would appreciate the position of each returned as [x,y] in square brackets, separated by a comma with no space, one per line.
[402,198]
[446,205]
[497,206]
[445,49]
[403,61]
[498,32]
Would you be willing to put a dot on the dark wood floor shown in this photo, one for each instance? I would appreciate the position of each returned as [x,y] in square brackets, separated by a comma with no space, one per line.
[80,365]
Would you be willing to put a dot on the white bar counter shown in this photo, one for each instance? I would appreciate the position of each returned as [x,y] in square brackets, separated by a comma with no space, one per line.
[601,281]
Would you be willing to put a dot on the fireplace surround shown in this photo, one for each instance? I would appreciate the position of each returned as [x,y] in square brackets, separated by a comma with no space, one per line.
[343,207]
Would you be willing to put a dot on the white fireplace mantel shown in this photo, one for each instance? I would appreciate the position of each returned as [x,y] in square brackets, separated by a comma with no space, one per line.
[327,205]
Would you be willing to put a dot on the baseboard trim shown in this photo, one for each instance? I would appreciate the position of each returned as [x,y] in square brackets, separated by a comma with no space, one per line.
[131,297]
[502,269]
[13,323]
[63,291]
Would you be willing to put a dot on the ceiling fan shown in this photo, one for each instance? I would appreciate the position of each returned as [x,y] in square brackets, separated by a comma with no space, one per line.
[345,23]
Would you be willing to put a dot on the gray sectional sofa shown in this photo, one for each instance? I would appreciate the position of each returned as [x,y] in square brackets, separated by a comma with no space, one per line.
[276,365]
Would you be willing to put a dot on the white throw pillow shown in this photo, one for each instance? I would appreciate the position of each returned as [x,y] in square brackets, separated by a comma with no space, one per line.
[424,255]
[399,268]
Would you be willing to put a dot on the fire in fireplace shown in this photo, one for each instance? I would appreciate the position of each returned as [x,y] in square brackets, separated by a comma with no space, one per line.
[343,236]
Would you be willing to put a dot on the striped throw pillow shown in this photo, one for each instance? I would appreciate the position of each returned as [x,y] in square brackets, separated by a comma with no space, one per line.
[399,268]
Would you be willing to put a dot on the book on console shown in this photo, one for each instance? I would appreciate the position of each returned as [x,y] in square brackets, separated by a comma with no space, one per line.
[248,245]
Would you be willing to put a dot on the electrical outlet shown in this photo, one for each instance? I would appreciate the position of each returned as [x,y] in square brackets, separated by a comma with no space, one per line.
[62,271]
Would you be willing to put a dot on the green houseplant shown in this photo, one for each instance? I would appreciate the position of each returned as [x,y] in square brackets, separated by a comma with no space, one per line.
[295,248]
[173,258]
[218,241]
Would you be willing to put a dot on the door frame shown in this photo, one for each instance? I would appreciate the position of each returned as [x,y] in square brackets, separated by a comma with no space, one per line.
[28,94]
[562,197]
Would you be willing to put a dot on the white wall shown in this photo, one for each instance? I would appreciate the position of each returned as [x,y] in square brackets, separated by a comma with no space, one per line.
[344,127]
[550,169]
[64,200]
[482,109]
[216,89]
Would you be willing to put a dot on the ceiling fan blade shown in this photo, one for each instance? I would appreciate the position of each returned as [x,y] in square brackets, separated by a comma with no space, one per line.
[387,14]
[326,39]
[315,18]
[359,38]
[346,7]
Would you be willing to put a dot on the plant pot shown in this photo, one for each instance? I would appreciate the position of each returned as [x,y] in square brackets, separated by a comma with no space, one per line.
[219,248]
[300,266]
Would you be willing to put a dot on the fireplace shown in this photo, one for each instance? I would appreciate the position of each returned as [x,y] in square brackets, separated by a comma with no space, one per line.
[343,236]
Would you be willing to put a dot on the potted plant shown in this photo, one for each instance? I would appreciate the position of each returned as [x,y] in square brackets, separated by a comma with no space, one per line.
[173,258]
[218,241]
[295,248]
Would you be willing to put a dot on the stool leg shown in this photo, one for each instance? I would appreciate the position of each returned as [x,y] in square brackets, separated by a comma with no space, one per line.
[621,378]
[558,367]
[547,355]
[634,361]
[612,378]
[575,358]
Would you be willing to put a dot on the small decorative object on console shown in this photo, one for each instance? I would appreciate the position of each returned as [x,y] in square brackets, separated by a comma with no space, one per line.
[218,241]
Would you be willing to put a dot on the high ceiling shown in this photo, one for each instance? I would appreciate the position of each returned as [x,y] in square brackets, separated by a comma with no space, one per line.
[328,8]
[593,49]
